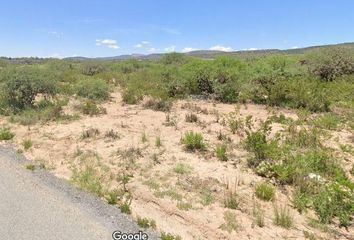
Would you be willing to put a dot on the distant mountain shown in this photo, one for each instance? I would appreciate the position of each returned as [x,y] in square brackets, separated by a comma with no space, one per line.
[210,54]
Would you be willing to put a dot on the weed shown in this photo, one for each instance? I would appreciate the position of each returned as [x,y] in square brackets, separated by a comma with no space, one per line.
[265,191]
[182,169]
[328,121]
[31,167]
[144,137]
[88,179]
[185,206]
[146,223]
[230,222]
[300,200]
[158,105]
[169,236]
[112,197]
[282,217]
[231,200]
[90,108]
[191,118]
[206,198]
[335,200]
[6,134]
[309,235]
[158,142]
[220,152]
[125,207]
[258,215]
[193,141]
[111,134]
[124,179]
[173,194]
[27,144]
[89,133]
[155,158]
[152,184]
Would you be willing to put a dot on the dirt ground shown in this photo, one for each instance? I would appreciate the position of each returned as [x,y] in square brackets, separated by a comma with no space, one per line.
[181,191]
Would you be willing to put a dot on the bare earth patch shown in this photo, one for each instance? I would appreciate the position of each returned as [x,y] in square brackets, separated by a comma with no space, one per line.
[182,191]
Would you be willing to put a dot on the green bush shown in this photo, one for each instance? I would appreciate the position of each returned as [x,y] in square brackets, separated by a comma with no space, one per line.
[23,84]
[220,152]
[91,69]
[331,63]
[336,200]
[91,88]
[90,108]
[265,191]
[193,141]
[6,134]
[158,104]
[27,144]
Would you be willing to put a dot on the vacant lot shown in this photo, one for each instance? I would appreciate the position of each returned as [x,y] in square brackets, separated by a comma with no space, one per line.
[197,149]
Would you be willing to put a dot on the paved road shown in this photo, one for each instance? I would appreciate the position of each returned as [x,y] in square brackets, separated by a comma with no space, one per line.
[37,206]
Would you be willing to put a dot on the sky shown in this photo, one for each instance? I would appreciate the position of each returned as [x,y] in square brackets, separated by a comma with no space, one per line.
[98,28]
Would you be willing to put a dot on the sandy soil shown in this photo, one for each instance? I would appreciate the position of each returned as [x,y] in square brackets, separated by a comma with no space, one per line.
[159,192]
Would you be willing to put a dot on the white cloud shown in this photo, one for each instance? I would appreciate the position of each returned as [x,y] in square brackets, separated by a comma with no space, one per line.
[294,47]
[249,49]
[111,43]
[151,50]
[113,46]
[56,34]
[170,49]
[189,49]
[142,44]
[221,48]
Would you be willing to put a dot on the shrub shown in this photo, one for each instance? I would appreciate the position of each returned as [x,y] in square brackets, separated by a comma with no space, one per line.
[90,108]
[146,223]
[328,121]
[91,69]
[91,88]
[158,142]
[22,85]
[193,141]
[282,217]
[231,200]
[174,58]
[125,207]
[300,200]
[265,191]
[230,222]
[181,168]
[88,179]
[169,236]
[256,143]
[235,125]
[336,200]
[6,134]
[331,63]
[158,105]
[131,96]
[89,133]
[27,144]
[112,197]
[111,134]
[220,152]
[191,118]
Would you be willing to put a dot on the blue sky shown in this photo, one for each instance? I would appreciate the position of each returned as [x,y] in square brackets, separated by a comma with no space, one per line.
[112,27]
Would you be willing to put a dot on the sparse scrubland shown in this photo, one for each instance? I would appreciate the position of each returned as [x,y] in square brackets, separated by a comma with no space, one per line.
[225,148]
